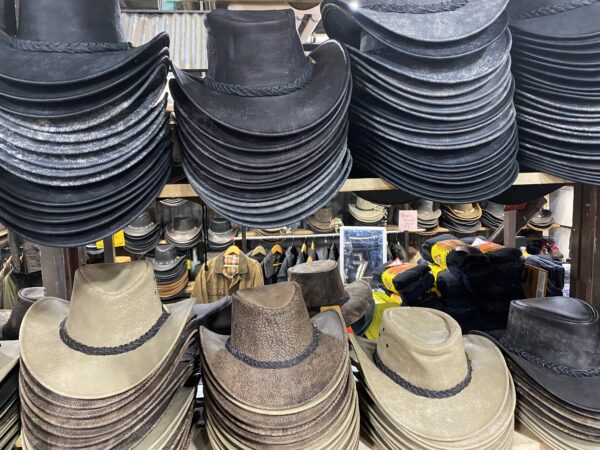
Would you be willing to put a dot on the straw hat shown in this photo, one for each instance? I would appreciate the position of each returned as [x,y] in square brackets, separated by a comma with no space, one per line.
[90,348]
[365,211]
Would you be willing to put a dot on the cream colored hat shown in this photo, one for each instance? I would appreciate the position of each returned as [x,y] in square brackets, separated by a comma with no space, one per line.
[431,381]
[9,356]
[365,211]
[111,336]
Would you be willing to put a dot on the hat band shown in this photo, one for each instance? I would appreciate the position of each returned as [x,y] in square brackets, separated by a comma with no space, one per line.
[553,9]
[556,368]
[422,392]
[265,91]
[276,364]
[117,350]
[416,8]
[340,302]
[69,47]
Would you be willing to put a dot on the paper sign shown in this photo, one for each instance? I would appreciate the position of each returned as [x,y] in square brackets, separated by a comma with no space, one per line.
[407,221]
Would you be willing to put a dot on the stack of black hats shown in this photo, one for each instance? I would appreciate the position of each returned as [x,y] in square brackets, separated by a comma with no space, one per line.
[221,233]
[263,135]
[10,422]
[557,69]
[555,369]
[184,233]
[492,214]
[142,235]
[84,143]
[170,271]
[428,214]
[542,220]
[432,108]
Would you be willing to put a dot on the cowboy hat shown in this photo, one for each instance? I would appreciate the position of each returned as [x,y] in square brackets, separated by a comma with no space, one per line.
[61,340]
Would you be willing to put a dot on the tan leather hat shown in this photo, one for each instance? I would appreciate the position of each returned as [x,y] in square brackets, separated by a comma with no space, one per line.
[435,387]
[90,347]
[466,211]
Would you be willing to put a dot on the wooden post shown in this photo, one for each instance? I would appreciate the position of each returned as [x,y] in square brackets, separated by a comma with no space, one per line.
[58,269]
[585,259]
[109,250]
[510,228]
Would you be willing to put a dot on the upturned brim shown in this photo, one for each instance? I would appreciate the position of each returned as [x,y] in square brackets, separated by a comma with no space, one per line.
[277,115]
[49,68]
[490,380]
[464,215]
[371,216]
[579,392]
[73,374]
[359,302]
[9,356]
[295,386]
[442,26]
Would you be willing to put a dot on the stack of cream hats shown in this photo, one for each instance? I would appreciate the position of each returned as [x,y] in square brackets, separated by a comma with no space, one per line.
[423,385]
[364,212]
[10,423]
[281,380]
[107,369]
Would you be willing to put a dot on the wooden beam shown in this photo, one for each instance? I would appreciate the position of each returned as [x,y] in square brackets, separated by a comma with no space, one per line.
[58,269]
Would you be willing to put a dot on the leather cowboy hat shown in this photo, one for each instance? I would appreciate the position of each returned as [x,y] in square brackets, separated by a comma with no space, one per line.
[300,369]
[61,340]
[365,211]
[43,51]
[431,22]
[426,210]
[166,259]
[401,374]
[322,287]
[234,84]
[142,226]
[322,221]
[463,211]
[547,357]
[183,231]
[26,297]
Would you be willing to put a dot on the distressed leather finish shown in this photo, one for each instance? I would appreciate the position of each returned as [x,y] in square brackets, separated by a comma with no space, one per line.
[26,298]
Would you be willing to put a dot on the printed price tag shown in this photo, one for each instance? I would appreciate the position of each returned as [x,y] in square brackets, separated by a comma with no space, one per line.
[407,221]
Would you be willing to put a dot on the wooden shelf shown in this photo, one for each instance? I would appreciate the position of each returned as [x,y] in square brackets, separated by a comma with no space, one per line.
[375,184]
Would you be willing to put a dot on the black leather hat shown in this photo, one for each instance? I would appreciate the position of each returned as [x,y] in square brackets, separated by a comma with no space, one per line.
[45,51]
[555,341]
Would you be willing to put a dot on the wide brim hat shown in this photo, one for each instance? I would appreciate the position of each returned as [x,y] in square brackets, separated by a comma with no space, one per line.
[54,68]
[55,365]
[463,212]
[426,215]
[222,238]
[264,116]
[256,390]
[432,22]
[580,392]
[9,357]
[490,379]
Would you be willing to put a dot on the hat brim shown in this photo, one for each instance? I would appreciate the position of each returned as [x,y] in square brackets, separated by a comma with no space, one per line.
[490,378]
[9,357]
[70,373]
[446,26]
[268,116]
[309,379]
[64,68]
[360,299]
[580,392]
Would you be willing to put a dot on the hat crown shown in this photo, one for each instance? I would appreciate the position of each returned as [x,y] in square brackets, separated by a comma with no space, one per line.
[365,205]
[106,297]
[70,21]
[220,225]
[254,48]
[144,220]
[324,215]
[560,330]
[183,224]
[423,346]
[31,294]
[164,254]
[271,323]
[319,281]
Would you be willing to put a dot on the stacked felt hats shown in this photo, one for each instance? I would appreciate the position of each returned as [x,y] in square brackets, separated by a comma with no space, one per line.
[432,108]
[322,287]
[108,368]
[428,214]
[142,235]
[363,212]
[184,233]
[542,220]
[557,69]
[555,369]
[462,218]
[281,379]
[26,297]
[170,271]
[221,233]
[84,143]
[263,135]
[10,422]
[422,385]
[323,221]
[492,214]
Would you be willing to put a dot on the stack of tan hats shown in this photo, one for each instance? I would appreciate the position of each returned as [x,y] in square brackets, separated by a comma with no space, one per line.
[107,369]
[423,385]
[281,380]
[10,423]
[462,218]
